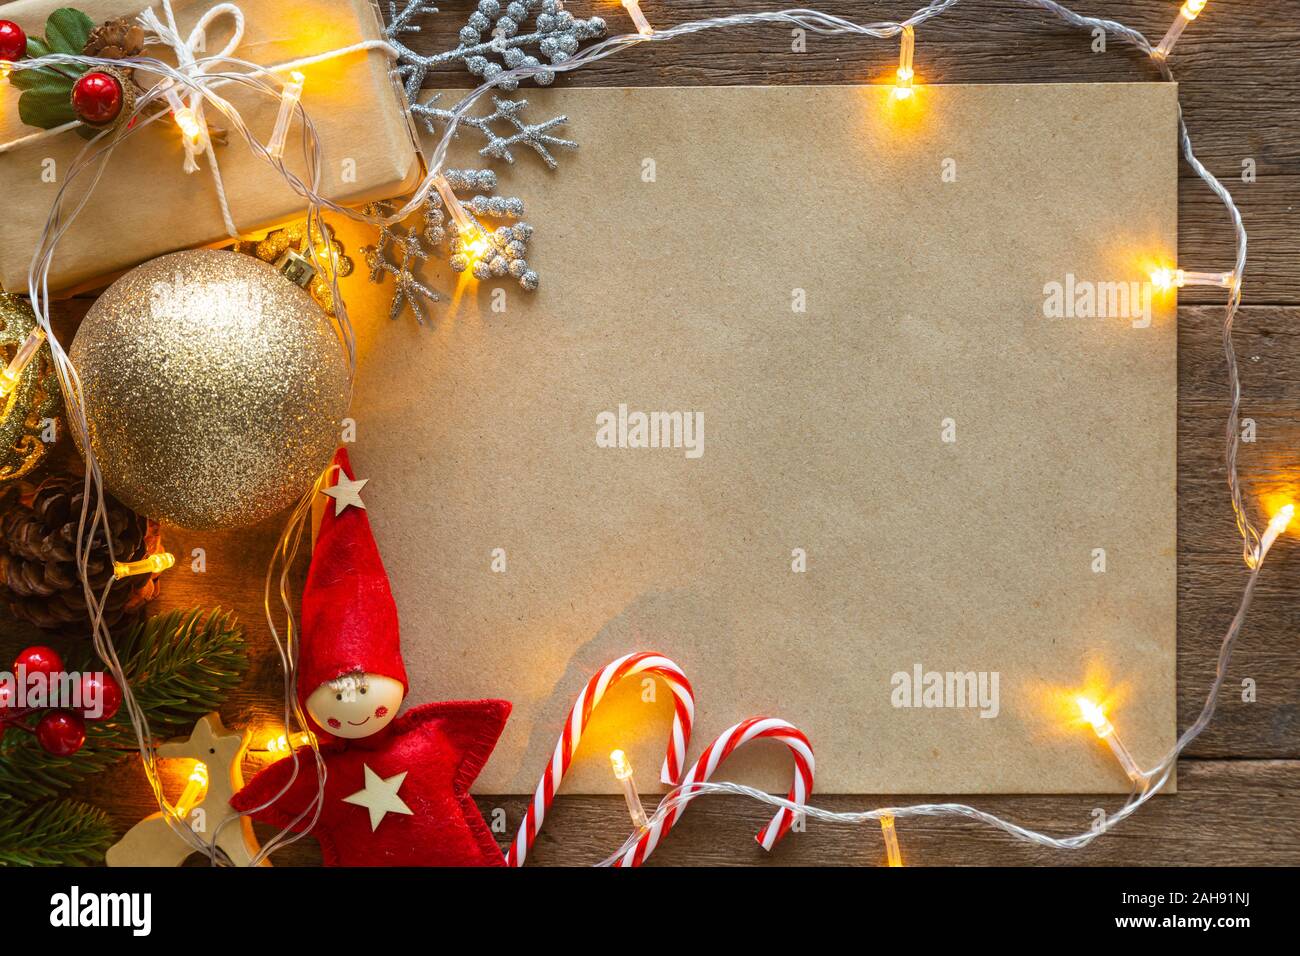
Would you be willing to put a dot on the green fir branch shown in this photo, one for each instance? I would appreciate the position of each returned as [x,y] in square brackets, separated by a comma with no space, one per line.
[182,664]
[53,833]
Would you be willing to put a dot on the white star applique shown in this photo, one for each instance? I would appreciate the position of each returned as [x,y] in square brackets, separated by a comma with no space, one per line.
[379,796]
[346,492]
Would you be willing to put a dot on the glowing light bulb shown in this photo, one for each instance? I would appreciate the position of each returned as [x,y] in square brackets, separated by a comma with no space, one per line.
[893,855]
[904,76]
[1165,279]
[194,134]
[622,766]
[282,745]
[1105,730]
[642,25]
[289,97]
[1276,526]
[476,245]
[196,788]
[11,373]
[1094,715]
[1189,11]
[623,774]
[473,241]
[189,124]
[152,564]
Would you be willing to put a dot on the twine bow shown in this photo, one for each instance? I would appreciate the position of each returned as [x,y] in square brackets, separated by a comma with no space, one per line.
[192,66]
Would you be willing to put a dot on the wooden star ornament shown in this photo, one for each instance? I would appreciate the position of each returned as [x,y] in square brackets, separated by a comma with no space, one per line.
[346,493]
[379,796]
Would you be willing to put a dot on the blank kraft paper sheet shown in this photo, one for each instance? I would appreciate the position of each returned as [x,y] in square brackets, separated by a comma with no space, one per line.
[862,412]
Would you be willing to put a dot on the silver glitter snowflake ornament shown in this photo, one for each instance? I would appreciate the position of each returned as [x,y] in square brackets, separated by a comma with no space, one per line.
[495,31]
[487,253]
[537,135]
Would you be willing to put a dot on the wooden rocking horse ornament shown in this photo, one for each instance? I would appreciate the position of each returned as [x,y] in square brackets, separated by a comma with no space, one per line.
[204,806]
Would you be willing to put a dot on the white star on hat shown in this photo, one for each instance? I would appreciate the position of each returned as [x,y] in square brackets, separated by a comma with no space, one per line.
[346,492]
[379,796]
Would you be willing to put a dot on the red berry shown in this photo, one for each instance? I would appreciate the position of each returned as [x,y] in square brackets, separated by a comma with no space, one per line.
[61,733]
[97,98]
[13,42]
[39,659]
[103,689]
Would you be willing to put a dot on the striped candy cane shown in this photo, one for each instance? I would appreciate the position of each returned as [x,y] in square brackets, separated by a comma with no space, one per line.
[752,729]
[640,663]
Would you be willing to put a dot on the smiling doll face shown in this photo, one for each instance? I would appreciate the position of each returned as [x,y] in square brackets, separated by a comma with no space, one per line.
[356,705]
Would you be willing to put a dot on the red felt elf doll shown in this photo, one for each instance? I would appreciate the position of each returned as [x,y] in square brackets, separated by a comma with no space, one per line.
[397,788]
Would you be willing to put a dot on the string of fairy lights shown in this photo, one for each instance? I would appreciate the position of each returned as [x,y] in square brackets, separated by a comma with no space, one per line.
[189,88]
[199,80]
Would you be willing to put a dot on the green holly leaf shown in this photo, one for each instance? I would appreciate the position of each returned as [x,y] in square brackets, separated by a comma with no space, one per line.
[30,79]
[48,103]
[47,93]
[67,30]
[37,47]
[26,79]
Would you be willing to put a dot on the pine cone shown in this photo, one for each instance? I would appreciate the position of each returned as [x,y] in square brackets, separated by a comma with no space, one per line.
[38,569]
[115,40]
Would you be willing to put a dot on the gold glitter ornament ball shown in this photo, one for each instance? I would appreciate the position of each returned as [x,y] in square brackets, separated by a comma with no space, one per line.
[214,389]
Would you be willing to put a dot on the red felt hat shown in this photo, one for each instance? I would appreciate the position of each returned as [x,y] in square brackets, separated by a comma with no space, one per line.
[349,618]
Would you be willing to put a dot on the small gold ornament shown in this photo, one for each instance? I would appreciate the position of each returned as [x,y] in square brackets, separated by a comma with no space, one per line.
[214,388]
[291,237]
[31,408]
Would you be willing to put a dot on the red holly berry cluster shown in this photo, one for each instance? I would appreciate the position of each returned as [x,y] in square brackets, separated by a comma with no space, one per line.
[96,96]
[59,732]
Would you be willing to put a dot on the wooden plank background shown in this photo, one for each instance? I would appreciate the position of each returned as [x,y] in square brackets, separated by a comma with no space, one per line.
[1239,796]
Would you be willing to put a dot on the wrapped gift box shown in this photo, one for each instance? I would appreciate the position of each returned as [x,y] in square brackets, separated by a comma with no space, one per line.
[146,205]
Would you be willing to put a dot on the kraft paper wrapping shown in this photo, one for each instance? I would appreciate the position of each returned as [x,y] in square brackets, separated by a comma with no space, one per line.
[921,239]
[146,206]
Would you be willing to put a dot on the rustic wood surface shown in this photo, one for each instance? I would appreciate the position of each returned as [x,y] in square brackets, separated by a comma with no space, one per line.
[1239,786]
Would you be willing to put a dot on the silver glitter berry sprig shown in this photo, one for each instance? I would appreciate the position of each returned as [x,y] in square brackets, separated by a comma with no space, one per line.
[398,253]
[556,34]
[487,253]
[537,135]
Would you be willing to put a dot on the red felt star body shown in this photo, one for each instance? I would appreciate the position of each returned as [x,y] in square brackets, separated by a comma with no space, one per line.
[399,798]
